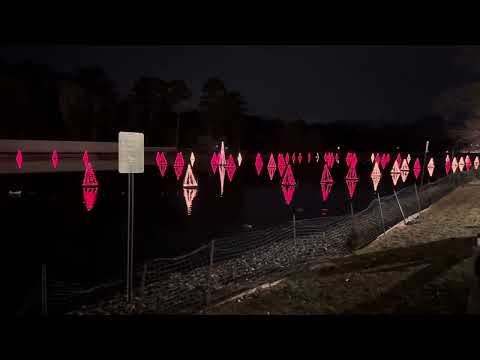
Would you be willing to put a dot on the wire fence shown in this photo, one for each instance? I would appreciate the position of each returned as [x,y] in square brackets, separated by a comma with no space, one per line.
[227,265]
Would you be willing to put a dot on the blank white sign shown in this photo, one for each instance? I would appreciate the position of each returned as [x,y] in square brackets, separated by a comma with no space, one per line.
[130,153]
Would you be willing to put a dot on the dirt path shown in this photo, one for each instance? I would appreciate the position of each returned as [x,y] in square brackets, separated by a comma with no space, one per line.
[424,267]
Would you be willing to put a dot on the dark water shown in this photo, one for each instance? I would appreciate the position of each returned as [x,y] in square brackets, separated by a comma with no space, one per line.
[50,222]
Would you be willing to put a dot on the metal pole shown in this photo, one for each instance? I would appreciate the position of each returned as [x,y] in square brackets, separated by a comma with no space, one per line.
[424,163]
[130,239]
[418,197]
[132,214]
[381,212]
[44,289]
[400,206]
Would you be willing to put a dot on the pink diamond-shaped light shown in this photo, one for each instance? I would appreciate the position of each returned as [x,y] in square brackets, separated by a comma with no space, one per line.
[404,170]
[230,167]
[288,193]
[288,179]
[294,158]
[461,164]
[417,168]
[90,197]
[281,164]
[54,159]
[178,165]
[448,164]
[271,167]
[476,163]
[309,158]
[395,173]
[326,176]
[214,163]
[300,157]
[468,163]
[85,158]
[161,163]
[19,159]
[376,176]
[326,188]
[430,167]
[287,158]
[454,165]
[258,163]
[89,178]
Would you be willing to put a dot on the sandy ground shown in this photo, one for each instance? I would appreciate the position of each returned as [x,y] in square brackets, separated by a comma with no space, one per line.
[424,267]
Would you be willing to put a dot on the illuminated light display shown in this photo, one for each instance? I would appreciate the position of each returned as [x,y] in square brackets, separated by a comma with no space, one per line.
[461,164]
[230,167]
[398,160]
[417,168]
[55,159]
[161,163]
[189,181]
[476,163]
[85,158]
[192,159]
[384,161]
[353,160]
[300,157]
[289,179]
[294,158]
[281,164]
[404,170]
[288,193]
[317,157]
[222,160]
[430,167]
[214,163]
[19,159]
[239,159]
[309,158]
[326,176]
[287,159]
[409,158]
[351,179]
[454,165]
[348,158]
[378,159]
[89,178]
[189,195]
[271,167]
[468,163]
[376,176]
[329,159]
[221,173]
[395,172]
[337,158]
[259,163]
[178,165]
[448,164]
[372,158]
[326,188]
[90,197]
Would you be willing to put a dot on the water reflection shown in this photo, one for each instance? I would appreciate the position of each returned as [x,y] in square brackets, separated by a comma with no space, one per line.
[189,195]
[288,192]
[90,197]
[19,159]
[55,159]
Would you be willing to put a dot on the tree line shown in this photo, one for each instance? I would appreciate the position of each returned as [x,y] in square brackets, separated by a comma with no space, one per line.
[38,102]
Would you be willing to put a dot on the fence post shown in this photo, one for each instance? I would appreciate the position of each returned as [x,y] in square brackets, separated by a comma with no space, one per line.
[210,265]
[400,206]
[381,212]
[44,289]
[418,197]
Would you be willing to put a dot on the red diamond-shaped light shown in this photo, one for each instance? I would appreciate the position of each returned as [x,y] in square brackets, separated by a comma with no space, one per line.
[230,167]
[161,163]
[54,159]
[288,179]
[90,197]
[468,163]
[85,158]
[214,163]
[19,159]
[178,165]
[89,178]
[448,164]
[281,164]
[417,168]
[288,193]
[271,167]
[258,164]
[326,188]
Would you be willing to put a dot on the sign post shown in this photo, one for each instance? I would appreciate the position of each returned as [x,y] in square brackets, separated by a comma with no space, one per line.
[130,161]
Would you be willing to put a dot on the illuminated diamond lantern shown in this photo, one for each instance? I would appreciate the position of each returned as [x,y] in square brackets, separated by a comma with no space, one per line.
[90,197]
[192,159]
[430,167]
[89,178]
[221,173]
[161,163]
[461,164]
[378,159]
[54,159]
[287,159]
[189,181]
[395,173]
[288,193]
[454,165]
[189,194]
[376,176]
[384,161]
[19,159]
[408,158]
[348,158]
[222,160]
[230,167]
[259,163]
[476,163]
[309,158]
[289,179]
[317,157]
[326,188]
[353,160]
[399,160]
[294,158]
[300,157]
[351,179]
[281,164]
[271,167]
[326,176]
[468,163]
[239,159]
[85,158]
[214,163]
[337,158]
[404,170]
[448,165]
[417,168]
[178,165]
[372,158]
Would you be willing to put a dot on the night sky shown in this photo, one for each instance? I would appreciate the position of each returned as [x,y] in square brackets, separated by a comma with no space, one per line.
[319,83]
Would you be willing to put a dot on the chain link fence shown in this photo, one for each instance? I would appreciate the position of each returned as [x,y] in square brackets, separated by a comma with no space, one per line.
[231,264]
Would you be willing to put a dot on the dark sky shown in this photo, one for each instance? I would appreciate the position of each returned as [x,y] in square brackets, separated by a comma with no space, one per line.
[321,83]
